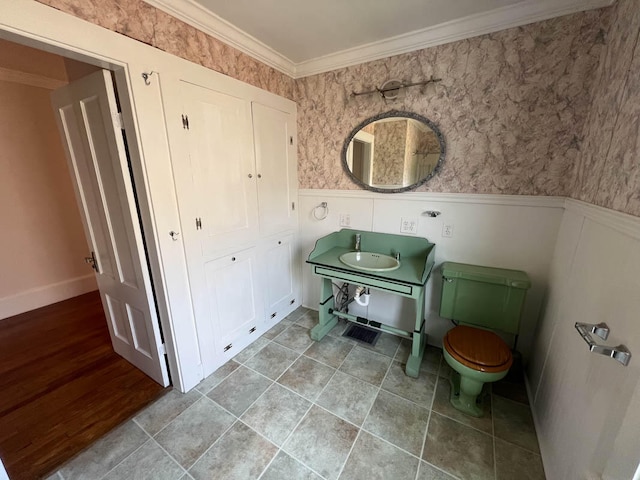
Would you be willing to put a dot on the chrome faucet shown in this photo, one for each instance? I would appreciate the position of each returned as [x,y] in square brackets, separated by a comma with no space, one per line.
[357,242]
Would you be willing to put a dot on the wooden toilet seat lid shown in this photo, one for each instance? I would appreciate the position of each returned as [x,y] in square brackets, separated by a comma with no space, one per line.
[478,349]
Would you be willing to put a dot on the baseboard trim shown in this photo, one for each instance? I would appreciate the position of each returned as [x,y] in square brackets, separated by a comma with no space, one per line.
[46,295]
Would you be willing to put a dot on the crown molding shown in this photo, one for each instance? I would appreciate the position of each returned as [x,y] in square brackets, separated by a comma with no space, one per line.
[502,18]
[208,22]
[522,13]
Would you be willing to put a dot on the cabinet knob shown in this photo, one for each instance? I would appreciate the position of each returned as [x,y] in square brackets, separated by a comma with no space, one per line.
[279,242]
[259,176]
[233,259]
[250,175]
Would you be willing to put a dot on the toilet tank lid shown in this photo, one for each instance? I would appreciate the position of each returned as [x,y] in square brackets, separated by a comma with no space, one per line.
[477,273]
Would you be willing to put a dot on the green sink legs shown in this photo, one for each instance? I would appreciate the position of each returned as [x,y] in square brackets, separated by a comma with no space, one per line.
[326,320]
[419,340]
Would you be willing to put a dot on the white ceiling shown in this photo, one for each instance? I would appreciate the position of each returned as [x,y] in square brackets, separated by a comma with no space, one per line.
[302,37]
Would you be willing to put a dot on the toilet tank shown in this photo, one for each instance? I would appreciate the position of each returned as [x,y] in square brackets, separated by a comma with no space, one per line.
[485,297]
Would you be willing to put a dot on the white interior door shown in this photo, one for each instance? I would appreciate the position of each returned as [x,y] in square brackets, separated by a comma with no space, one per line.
[88,119]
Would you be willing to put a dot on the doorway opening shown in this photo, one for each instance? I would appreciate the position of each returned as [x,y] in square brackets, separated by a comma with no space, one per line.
[63,386]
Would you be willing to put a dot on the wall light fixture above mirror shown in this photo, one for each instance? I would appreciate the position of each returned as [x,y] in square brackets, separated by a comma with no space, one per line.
[393,152]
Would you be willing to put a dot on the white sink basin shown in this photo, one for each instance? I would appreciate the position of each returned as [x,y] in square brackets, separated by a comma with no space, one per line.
[371,262]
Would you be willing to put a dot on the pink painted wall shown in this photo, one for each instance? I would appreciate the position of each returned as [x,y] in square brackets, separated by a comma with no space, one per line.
[41,237]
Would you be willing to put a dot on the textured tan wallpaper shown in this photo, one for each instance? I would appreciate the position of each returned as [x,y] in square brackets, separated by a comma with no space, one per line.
[545,109]
[608,169]
[152,26]
[511,106]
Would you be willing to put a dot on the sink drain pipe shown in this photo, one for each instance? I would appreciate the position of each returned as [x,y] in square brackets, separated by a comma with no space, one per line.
[362,296]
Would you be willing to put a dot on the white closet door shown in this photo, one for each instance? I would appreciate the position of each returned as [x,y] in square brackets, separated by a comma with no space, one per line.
[277,256]
[235,305]
[223,193]
[274,134]
[218,206]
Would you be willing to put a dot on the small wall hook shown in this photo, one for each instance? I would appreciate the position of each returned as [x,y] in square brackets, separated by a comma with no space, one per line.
[431,213]
[146,76]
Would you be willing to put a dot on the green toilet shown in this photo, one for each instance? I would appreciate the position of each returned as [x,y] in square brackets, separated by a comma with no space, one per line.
[481,300]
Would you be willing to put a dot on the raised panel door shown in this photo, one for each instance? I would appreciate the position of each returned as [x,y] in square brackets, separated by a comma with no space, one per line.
[234,303]
[222,194]
[274,138]
[278,276]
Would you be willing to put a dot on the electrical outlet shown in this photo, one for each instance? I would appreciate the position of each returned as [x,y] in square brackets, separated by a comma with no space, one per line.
[409,225]
[447,230]
[345,220]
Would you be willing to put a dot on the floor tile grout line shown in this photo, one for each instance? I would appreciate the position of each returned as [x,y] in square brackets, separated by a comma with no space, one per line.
[280,447]
[404,398]
[379,387]
[169,455]
[382,439]
[284,442]
[519,446]
[426,430]
[493,440]
[134,451]
[174,418]
[275,382]
[223,379]
[236,419]
[346,459]
[313,403]
[463,424]
[213,444]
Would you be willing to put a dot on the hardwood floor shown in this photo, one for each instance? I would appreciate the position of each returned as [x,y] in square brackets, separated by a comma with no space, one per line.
[62,386]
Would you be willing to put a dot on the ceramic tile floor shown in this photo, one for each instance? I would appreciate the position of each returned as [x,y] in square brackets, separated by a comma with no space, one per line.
[290,408]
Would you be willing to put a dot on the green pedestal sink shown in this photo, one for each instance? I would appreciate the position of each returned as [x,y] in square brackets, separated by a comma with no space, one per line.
[334,259]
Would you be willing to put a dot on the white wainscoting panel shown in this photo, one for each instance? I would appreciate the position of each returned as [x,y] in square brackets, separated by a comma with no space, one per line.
[585,405]
[505,231]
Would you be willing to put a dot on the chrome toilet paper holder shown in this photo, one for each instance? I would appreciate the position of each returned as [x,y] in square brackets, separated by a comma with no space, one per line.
[619,353]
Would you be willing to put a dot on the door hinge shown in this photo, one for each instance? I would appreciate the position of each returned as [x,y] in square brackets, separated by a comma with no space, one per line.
[198,223]
[253,329]
[292,301]
[273,315]
[228,347]
[163,349]
[293,205]
[185,122]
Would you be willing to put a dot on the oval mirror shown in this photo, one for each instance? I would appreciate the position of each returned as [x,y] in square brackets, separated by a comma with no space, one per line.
[393,152]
